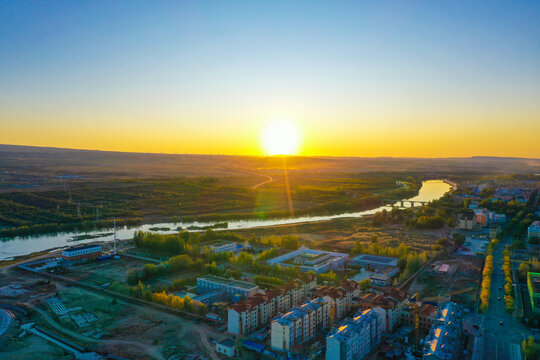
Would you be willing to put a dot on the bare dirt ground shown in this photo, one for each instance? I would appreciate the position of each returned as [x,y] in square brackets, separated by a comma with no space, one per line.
[459,282]
[132,331]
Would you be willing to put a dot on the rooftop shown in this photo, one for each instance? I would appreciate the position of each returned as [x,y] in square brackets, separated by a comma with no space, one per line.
[82,247]
[381,260]
[305,253]
[227,342]
[535,280]
[229,282]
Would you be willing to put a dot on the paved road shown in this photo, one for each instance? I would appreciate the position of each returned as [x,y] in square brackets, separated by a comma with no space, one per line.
[5,320]
[498,338]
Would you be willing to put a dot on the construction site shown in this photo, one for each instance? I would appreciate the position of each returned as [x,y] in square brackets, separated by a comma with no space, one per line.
[456,278]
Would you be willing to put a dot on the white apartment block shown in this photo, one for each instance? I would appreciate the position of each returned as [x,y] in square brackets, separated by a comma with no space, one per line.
[300,324]
[355,338]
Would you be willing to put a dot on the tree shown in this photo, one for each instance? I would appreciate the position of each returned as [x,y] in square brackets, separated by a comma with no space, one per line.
[444,242]
[530,348]
[289,242]
[524,268]
[458,238]
[364,285]
[436,247]
[243,259]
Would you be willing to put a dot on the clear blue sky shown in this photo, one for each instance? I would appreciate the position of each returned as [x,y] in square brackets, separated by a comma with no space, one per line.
[205,76]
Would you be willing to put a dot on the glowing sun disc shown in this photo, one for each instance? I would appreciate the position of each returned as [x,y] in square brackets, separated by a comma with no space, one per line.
[280,138]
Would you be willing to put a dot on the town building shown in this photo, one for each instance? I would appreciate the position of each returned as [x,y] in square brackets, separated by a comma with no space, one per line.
[354,338]
[533,283]
[226,347]
[247,316]
[82,252]
[341,298]
[426,315]
[301,324]
[311,259]
[390,307]
[374,262]
[382,277]
[466,222]
[234,290]
[258,248]
[220,246]
[212,297]
[444,339]
[534,230]
[499,219]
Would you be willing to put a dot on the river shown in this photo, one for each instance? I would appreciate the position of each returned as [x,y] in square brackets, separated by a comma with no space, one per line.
[23,245]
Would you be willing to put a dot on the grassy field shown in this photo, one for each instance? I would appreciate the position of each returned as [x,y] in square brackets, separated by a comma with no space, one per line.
[208,198]
[103,272]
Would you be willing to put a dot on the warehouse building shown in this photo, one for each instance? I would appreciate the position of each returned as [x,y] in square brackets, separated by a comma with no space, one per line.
[82,252]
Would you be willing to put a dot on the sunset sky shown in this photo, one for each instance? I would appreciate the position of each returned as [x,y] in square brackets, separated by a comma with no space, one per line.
[403,78]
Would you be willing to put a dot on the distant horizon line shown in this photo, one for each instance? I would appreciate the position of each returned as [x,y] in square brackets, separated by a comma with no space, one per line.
[272,156]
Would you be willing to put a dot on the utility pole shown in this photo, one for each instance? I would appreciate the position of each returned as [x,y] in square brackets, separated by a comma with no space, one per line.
[114,224]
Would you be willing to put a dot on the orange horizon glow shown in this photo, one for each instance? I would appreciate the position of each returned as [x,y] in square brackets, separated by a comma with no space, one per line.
[368,79]
[318,137]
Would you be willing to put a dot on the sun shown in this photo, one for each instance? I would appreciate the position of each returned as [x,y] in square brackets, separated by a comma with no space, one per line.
[280,137]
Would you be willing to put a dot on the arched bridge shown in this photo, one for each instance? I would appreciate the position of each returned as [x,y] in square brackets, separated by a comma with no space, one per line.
[412,203]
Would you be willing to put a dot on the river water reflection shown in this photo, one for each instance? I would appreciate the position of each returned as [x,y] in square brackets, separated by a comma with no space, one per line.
[430,190]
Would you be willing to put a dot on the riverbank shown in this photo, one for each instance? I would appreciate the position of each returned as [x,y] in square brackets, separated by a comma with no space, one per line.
[17,246]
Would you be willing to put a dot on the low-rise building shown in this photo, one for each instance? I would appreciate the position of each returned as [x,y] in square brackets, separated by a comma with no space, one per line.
[220,246]
[82,252]
[212,297]
[374,262]
[311,260]
[533,283]
[382,277]
[234,290]
[499,219]
[259,248]
[534,230]
[354,338]
[226,347]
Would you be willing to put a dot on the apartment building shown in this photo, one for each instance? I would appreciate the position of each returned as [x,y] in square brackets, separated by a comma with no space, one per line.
[427,313]
[444,339]
[354,338]
[341,297]
[466,222]
[300,324]
[257,311]
[390,307]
